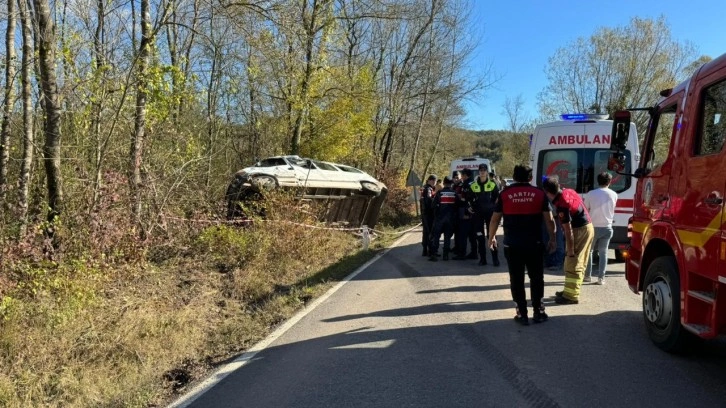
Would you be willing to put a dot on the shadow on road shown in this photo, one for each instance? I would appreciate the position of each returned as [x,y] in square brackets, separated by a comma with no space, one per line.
[464,289]
[569,361]
[426,356]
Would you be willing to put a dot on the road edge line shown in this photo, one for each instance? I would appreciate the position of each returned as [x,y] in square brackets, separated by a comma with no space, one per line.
[226,369]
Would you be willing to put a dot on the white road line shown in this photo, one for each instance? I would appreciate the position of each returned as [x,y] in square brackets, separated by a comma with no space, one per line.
[227,369]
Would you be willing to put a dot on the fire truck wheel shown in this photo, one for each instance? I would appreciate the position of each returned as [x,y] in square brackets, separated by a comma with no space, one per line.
[662,304]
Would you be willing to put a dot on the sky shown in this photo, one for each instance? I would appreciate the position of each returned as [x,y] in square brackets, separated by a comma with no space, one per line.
[516,38]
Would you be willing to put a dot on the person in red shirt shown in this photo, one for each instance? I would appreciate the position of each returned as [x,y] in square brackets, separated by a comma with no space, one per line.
[524,208]
[579,234]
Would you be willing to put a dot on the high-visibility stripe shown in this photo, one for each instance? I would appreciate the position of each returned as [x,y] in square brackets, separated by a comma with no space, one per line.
[699,239]
[624,202]
[691,238]
[640,227]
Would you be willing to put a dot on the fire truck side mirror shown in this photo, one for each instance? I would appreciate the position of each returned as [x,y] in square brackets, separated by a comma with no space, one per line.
[620,131]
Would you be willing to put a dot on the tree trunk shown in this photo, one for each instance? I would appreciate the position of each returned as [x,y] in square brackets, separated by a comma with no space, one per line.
[312,24]
[97,106]
[45,40]
[8,101]
[137,144]
[444,109]
[309,26]
[188,56]
[28,135]
[172,42]
[401,79]
[212,95]
[424,103]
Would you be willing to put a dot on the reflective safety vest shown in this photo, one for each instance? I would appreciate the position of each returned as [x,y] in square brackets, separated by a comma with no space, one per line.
[488,186]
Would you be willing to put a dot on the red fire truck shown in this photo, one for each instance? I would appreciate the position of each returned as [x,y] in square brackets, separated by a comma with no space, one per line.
[677,257]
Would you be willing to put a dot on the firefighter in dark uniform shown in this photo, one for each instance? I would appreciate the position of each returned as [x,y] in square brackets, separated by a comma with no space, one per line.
[465,210]
[444,216]
[487,192]
[427,212]
[524,208]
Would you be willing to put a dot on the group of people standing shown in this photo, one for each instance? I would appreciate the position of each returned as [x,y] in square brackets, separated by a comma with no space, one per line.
[462,208]
[523,209]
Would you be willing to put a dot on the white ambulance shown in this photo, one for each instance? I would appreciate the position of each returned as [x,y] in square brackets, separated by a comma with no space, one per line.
[576,149]
[472,163]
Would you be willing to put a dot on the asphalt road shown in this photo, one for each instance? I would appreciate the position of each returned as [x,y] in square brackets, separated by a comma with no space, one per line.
[406,332]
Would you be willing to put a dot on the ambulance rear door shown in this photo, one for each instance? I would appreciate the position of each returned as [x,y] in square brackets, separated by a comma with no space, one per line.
[554,155]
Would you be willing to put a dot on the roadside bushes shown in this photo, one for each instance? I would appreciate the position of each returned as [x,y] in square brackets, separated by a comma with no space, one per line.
[106,324]
[399,208]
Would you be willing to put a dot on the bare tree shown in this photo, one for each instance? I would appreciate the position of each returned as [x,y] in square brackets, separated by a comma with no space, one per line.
[424,97]
[46,43]
[100,77]
[28,128]
[143,60]
[613,69]
[400,75]
[180,38]
[8,101]
[139,135]
[315,18]
[514,111]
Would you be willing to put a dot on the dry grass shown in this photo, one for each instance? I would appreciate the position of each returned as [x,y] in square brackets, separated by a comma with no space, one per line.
[131,334]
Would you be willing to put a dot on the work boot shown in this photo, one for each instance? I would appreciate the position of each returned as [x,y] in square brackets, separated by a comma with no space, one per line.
[425,252]
[483,260]
[433,258]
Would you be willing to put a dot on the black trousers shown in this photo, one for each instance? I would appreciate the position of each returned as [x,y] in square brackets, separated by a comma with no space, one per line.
[463,234]
[480,233]
[530,258]
[427,220]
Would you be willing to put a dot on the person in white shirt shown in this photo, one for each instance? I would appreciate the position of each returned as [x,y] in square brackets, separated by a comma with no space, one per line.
[600,203]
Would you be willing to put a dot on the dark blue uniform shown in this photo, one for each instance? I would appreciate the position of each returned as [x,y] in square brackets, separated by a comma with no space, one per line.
[444,217]
[427,216]
[465,211]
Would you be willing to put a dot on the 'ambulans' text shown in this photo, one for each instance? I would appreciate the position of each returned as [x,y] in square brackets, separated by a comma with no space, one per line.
[579,139]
